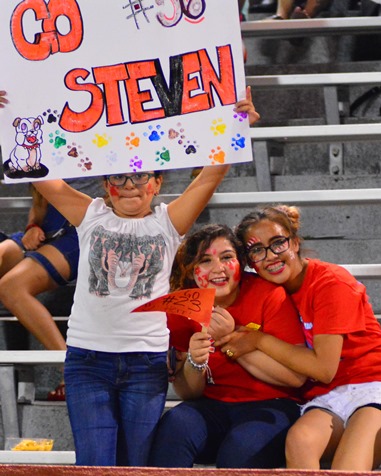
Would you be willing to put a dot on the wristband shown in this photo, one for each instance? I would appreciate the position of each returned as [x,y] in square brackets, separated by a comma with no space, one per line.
[199,367]
[30,226]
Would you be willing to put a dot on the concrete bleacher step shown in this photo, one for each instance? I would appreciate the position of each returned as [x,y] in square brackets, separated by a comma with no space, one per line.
[324,66]
[320,133]
[311,27]
[296,81]
[42,419]
[37,457]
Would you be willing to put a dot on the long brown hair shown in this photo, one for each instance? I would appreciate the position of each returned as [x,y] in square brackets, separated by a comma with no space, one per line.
[193,248]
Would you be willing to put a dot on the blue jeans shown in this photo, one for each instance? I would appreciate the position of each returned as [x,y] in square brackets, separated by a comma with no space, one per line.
[115,401]
[230,435]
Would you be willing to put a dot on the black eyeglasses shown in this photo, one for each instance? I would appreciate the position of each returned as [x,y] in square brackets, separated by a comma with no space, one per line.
[136,179]
[259,253]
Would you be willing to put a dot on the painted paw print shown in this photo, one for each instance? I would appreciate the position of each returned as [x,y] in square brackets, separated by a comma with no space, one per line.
[218,127]
[217,155]
[241,116]
[173,134]
[85,164]
[112,157]
[101,140]
[74,150]
[154,134]
[177,133]
[51,116]
[136,163]
[57,139]
[190,147]
[132,141]
[163,156]
[57,158]
[238,142]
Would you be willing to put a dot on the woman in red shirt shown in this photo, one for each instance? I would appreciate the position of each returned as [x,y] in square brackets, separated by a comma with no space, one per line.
[236,413]
[341,423]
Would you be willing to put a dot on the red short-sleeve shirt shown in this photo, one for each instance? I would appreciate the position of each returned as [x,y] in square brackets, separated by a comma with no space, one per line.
[258,302]
[332,301]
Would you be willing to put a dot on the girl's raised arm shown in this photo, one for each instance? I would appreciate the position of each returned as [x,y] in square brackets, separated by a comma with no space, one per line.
[184,211]
[68,201]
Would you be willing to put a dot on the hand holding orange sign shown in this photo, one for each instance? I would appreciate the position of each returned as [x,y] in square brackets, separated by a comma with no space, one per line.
[196,304]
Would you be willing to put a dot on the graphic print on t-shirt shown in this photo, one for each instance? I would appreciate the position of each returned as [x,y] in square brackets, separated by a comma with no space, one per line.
[124,263]
[307,330]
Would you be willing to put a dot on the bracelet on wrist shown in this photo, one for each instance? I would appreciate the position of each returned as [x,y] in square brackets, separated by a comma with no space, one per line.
[199,367]
[30,226]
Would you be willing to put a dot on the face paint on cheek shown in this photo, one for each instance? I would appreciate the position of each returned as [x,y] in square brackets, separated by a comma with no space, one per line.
[150,190]
[201,277]
[237,272]
[235,268]
[113,191]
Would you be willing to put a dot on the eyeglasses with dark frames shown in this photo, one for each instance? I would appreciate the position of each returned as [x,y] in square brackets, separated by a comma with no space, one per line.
[259,253]
[137,179]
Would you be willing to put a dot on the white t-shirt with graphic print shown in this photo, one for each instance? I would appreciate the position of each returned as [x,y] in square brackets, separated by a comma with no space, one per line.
[124,262]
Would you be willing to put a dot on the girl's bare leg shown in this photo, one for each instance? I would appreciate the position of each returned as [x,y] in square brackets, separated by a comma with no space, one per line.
[314,7]
[18,289]
[360,446]
[314,437]
[10,255]
[284,8]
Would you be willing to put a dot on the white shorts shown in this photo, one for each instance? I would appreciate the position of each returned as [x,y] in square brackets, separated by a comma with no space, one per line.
[343,401]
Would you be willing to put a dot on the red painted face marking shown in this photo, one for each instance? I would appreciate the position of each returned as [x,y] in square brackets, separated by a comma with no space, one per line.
[235,267]
[201,277]
[251,241]
[113,191]
[219,268]
[211,251]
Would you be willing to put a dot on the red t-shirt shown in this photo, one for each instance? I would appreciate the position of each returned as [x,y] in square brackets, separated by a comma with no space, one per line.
[258,302]
[332,301]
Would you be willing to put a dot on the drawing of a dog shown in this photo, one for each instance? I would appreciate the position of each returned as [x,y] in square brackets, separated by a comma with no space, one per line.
[26,155]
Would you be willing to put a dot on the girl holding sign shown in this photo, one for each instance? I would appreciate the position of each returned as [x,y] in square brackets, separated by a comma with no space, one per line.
[115,371]
[236,414]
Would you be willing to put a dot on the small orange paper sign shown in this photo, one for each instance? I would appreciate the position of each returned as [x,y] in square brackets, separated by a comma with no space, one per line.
[196,304]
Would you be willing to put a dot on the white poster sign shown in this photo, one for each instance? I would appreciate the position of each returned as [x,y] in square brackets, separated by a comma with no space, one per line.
[102,87]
